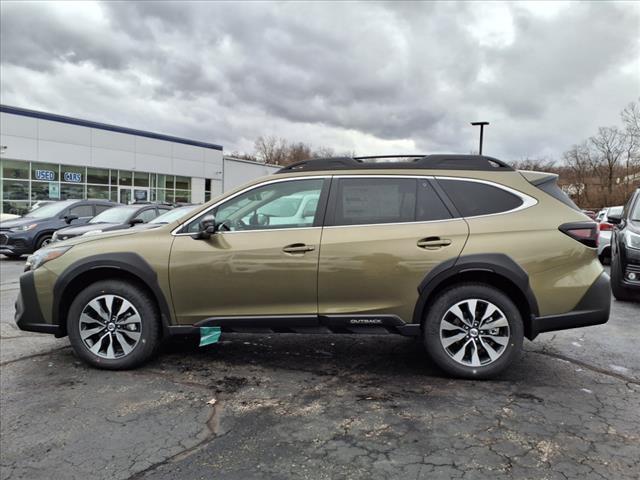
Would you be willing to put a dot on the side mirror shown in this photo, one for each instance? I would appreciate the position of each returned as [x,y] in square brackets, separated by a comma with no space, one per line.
[207,227]
[615,218]
[135,221]
[70,218]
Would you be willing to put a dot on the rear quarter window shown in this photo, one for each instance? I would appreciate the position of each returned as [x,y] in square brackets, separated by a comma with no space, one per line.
[475,198]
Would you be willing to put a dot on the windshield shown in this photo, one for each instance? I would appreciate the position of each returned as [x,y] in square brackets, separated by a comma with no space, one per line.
[174,214]
[114,215]
[635,214]
[49,210]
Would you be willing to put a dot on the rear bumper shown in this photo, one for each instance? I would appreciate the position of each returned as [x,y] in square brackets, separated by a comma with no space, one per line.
[593,309]
[28,314]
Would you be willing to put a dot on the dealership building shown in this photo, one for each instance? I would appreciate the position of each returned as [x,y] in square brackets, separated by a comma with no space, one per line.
[44,156]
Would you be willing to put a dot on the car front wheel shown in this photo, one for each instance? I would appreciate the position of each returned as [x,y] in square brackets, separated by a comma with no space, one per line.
[114,325]
[473,331]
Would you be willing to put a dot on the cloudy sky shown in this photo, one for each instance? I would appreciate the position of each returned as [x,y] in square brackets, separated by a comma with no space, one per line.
[374,78]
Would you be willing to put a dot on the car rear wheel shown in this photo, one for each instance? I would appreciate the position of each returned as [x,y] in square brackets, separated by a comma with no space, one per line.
[114,325]
[473,331]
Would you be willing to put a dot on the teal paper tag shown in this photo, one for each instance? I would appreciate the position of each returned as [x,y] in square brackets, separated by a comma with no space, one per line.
[209,335]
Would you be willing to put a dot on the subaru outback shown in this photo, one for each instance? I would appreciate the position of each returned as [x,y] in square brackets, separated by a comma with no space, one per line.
[461,251]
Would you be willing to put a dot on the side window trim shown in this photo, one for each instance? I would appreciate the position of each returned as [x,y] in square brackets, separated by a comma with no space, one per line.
[319,213]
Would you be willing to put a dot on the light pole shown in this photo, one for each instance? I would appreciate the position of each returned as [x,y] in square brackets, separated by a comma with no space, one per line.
[482,124]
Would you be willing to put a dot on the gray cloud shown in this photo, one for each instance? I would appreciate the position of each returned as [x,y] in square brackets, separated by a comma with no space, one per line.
[366,77]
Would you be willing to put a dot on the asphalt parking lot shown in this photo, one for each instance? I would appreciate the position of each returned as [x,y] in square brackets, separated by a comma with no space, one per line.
[303,406]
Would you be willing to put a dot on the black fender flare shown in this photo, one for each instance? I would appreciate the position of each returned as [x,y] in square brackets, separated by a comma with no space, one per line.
[128,262]
[494,263]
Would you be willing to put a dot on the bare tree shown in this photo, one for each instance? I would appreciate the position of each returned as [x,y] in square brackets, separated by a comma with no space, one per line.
[578,161]
[609,147]
[270,149]
[537,164]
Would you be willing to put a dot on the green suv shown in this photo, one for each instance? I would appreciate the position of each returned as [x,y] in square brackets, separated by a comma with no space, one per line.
[462,251]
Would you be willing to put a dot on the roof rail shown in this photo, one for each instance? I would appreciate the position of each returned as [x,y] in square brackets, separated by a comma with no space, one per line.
[419,162]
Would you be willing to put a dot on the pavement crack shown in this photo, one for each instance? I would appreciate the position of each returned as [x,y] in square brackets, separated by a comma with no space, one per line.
[35,355]
[210,433]
[588,366]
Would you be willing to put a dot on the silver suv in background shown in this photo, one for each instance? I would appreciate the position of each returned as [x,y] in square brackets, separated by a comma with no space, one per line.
[604,232]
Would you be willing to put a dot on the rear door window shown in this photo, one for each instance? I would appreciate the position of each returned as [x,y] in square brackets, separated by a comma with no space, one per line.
[82,211]
[475,198]
[360,201]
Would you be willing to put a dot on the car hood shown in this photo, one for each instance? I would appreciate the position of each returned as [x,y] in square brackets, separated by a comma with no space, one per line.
[19,222]
[634,226]
[77,240]
[89,227]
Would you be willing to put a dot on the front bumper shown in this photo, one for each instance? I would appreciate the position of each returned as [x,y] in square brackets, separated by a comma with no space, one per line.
[15,244]
[28,315]
[592,309]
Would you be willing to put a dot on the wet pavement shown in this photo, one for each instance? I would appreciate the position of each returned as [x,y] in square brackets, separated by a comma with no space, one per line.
[305,406]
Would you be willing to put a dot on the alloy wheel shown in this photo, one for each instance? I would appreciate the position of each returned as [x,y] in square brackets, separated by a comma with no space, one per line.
[474,332]
[110,326]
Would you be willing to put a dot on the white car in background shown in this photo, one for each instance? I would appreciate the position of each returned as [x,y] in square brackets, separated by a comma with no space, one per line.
[604,232]
[8,216]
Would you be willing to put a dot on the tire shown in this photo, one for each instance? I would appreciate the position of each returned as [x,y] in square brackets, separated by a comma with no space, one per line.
[442,326]
[619,292]
[124,344]
[605,257]
[13,256]
[43,242]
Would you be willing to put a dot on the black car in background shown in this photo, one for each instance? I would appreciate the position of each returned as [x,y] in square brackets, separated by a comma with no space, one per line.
[116,218]
[625,251]
[34,230]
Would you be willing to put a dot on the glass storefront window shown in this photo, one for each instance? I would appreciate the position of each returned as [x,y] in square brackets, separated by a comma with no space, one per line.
[125,178]
[141,179]
[15,208]
[182,196]
[183,183]
[97,191]
[71,191]
[24,183]
[98,175]
[15,169]
[45,191]
[73,174]
[45,172]
[15,190]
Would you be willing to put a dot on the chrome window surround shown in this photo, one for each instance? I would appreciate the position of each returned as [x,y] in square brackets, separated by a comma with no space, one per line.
[527,201]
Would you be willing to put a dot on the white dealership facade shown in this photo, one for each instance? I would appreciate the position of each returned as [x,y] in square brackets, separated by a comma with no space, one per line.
[46,156]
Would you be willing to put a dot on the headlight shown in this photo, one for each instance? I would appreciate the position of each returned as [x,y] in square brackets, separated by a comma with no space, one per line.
[632,240]
[24,228]
[44,255]
[91,232]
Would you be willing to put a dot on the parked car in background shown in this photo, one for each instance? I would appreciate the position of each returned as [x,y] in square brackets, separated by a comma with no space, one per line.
[36,229]
[8,216]
[167,217]
[40,203]
[604,233]
[116,218]
[461,251]
[625,250]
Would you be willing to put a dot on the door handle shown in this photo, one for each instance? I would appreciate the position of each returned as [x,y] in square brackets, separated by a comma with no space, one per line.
[433,243]
[298,248]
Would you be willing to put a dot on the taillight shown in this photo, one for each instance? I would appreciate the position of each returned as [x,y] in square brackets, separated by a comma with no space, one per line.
[604,226]
[583,232]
